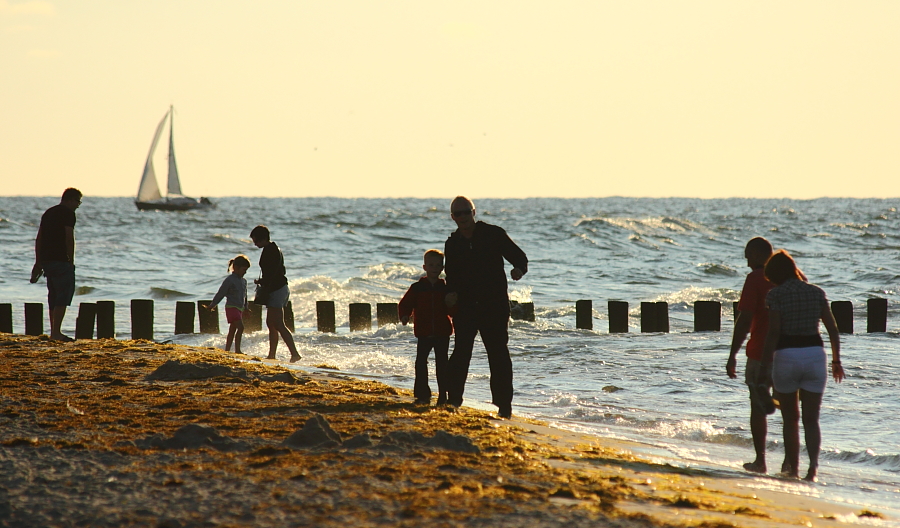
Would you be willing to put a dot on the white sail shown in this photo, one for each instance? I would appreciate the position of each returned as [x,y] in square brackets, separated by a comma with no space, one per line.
[149,189]
[174,185]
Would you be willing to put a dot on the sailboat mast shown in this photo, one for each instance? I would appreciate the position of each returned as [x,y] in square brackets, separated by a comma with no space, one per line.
[174,184]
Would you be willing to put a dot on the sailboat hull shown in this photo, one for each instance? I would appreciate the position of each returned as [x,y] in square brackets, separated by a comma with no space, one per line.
[149,197]
[178,204]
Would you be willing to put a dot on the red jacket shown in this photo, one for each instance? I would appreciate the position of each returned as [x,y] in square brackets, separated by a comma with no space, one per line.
[426,300]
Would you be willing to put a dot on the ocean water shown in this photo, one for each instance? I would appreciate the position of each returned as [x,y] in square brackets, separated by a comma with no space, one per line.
[667,391]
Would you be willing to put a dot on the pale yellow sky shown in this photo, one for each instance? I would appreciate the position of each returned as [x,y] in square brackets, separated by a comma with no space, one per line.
[432,99]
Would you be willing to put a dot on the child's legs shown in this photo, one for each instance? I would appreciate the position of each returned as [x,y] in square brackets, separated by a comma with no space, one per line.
[441,349]
[421,390]
[237,328]
[231,331]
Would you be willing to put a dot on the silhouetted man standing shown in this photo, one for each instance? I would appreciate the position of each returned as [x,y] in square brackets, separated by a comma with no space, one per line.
[54,256]
[476,279]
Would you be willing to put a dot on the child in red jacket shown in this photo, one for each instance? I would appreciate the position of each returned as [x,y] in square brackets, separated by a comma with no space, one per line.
[433,328]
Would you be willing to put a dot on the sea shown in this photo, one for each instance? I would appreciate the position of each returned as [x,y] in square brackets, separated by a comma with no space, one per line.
[667,392]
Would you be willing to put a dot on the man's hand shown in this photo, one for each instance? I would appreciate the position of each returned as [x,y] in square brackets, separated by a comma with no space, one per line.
[404,320]
[450,299]
[731,367]
[516,274]
[36,273]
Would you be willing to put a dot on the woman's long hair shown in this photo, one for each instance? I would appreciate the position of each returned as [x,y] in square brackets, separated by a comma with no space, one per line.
[781,267]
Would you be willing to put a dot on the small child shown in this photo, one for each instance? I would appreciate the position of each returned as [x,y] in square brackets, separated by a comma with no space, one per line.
[425,299]
[234,290]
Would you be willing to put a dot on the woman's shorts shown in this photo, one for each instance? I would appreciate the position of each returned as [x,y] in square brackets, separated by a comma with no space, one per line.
[60,282]
[800,368]
[279,297]
[233,314]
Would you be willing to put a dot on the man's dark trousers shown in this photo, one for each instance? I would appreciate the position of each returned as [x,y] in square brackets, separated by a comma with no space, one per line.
[492,323]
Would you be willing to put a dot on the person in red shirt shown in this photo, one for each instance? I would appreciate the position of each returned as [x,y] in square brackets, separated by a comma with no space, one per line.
[425,300]
[753,319]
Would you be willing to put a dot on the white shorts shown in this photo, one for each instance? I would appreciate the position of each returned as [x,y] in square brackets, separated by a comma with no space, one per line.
[279,297]
[800,368]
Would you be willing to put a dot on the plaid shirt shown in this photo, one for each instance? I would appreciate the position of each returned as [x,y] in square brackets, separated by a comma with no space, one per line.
[800,305]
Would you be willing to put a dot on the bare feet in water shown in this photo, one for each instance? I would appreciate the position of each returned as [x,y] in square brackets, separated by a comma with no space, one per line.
[296,358]
[755,466]
[812,475]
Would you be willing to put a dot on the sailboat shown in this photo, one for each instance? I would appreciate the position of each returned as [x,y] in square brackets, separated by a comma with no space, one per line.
[148,196]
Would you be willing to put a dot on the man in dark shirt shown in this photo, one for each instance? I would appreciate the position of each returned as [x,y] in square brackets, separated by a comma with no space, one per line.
[476,280]
[54,256]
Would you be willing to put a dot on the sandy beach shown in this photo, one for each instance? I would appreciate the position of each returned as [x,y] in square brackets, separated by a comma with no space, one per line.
[134,433]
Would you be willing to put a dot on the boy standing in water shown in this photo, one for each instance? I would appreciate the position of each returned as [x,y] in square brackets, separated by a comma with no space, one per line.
[754,319]
[425,299]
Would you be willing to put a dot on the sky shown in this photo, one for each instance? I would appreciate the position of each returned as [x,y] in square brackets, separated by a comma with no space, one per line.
[416,98]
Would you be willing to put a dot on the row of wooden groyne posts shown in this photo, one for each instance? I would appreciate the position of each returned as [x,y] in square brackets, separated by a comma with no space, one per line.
[654,317]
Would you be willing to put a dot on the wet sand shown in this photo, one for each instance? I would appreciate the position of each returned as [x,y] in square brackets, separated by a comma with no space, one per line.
[133,433]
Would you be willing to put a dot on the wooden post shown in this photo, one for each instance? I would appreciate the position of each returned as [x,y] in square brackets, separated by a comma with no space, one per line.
[253,318]
[360,317]
[648,317]
[208,318]
[84,323]
[662,316]
[184,317]
[584,314]
[142,319]
[387,314]
[289,316]
[34,319]
[655,317]
[6,318]
[843,315]
[618,317]
[325,316]
[876,313]
[707,316]
[521,311]
[106,319]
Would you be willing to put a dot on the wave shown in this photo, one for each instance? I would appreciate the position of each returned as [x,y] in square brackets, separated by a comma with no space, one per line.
[867,458]
[717,269]
[164,293]
[686,297]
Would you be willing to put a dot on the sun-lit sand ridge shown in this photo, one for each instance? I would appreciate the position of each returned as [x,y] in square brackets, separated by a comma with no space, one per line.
[94,432]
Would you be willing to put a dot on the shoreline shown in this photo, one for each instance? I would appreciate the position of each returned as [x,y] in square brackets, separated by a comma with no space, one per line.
[105,431]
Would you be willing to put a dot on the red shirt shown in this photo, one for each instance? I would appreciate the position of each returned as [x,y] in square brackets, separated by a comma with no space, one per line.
[425,301]
[753,299]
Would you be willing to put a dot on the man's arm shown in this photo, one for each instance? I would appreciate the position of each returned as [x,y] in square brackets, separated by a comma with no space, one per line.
[37,269]
[70,243]
[514,255]
[741,329]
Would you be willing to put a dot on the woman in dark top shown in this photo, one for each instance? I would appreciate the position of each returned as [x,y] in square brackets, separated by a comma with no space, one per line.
[796,355]
[273,279]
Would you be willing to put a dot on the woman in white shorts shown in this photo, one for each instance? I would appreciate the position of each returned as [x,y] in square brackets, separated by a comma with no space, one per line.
[796,352]
[275,284]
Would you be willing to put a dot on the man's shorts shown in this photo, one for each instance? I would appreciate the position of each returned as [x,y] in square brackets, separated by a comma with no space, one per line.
[60,282]
[800,368]
[759,392]
[233,314]
[279,297]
